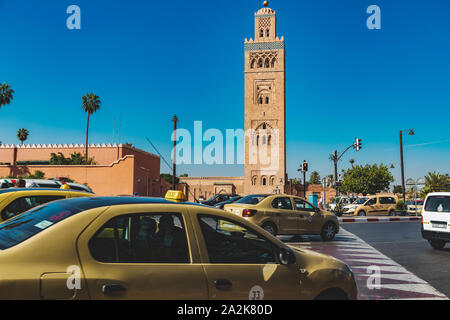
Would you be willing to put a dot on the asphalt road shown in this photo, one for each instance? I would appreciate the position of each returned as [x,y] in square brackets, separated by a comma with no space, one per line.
[403,243]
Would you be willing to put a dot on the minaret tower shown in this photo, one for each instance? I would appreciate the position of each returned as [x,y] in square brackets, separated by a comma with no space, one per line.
[265,107]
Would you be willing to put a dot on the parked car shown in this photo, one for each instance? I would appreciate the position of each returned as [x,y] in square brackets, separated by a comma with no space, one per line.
[414,206]
[14,201]
[343,201]
[286,215]
[350,208]
[436,219]
[42,183]
[217,199]
[112,245]
[220,205]
[374,205]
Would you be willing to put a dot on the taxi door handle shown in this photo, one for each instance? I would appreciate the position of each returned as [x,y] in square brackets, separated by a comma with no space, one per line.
[223,284]
[113,289]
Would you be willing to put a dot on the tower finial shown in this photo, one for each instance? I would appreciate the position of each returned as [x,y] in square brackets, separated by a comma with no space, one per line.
[266,3]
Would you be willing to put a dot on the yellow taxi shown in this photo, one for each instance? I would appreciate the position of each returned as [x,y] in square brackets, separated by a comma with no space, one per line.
[373,205]
[14,201]
[153,249]
[286,215]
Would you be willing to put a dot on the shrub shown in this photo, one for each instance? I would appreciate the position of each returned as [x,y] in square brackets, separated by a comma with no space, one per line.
[401,206]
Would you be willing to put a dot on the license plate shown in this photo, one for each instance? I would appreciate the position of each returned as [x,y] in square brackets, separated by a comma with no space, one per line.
[439,225]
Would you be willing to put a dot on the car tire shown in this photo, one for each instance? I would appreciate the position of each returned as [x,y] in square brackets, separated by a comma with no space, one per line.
[437,244]
[270,228]
[328,231]
[361,213]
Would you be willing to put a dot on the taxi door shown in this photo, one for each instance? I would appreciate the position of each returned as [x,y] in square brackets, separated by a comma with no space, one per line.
[142,252]
[240,264]
[371,207]
[310,221]
[286,218]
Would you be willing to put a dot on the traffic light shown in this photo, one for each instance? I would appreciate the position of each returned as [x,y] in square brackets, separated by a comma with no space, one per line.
[358,144]
[305,167]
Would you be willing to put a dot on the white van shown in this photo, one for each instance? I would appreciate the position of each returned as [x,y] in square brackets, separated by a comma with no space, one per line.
[436,219]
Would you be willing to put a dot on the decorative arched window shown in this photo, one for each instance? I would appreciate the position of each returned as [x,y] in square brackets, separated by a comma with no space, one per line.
[260,63]
[267,32]
[264,126]
[254,180]
[267,100]
[267,63]
[252,64]
[264,181]
[273,62]
[264,140]
[269,140]
[261,100]
[272,181]
[257,140]
[261,33]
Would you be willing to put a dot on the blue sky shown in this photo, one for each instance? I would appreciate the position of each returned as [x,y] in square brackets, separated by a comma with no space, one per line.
[150,60]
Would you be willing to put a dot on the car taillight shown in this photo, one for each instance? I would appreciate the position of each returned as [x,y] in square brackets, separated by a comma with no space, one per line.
[248,213]
[421,220]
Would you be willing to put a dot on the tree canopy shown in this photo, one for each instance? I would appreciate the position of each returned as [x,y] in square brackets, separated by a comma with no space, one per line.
[368,179]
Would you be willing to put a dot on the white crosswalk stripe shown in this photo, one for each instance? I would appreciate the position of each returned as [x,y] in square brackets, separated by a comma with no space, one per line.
[395,281]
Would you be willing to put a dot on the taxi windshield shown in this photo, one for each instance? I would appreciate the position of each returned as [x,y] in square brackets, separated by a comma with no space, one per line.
[32,222]
[360,201]
[253,199]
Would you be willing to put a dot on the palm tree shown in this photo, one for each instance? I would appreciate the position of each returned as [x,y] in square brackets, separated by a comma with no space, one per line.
[334,157]
[91,103]
[6,94]
[22,135]
[352,162]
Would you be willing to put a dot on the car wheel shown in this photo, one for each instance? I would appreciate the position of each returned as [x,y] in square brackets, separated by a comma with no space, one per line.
[362,213]
[270,228]
[328,231]
[437,244]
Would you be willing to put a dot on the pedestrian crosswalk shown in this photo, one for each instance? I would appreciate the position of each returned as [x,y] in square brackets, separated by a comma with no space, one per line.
[378,277]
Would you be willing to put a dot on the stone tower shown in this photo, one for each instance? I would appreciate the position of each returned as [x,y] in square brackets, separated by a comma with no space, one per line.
[265,107]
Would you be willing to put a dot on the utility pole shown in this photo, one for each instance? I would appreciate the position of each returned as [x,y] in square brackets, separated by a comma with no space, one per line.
[411,133]
[174,170]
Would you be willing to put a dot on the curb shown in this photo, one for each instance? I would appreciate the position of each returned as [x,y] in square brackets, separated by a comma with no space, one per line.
[395,219]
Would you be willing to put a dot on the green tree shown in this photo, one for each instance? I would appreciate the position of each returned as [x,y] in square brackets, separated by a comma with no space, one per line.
[22,135]
[369,179]
[314,178]
[6,94]
[91,103]
[434,181]
[397,189]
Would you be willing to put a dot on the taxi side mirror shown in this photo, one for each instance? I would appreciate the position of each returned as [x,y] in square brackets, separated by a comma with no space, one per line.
[287,256]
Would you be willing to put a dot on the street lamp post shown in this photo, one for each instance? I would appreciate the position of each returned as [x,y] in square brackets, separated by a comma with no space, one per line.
[174,168]
[411,133]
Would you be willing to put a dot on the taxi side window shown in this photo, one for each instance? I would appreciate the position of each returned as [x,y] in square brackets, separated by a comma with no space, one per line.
[302,205]
[228,242]
[143,238]
[371,202]
[282,203]
[20,205]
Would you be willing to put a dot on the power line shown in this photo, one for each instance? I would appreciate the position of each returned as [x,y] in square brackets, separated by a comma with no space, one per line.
[160,155]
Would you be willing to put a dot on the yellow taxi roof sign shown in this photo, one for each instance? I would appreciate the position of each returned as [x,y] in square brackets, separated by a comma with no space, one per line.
[177,196]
